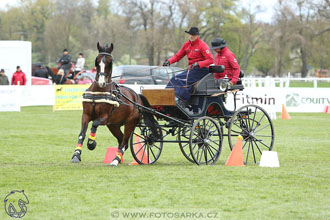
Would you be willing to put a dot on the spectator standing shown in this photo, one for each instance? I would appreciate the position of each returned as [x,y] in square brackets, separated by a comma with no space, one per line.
[3,78]
[19,77]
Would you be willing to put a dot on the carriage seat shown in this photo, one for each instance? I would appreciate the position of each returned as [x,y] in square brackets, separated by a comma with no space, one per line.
[209,86]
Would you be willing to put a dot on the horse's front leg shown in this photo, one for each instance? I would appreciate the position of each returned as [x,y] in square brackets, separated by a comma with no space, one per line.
[91,143]
[76,158]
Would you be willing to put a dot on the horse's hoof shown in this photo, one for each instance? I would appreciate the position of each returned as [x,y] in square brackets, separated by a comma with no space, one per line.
[114,163]
[75,159]
[91,144]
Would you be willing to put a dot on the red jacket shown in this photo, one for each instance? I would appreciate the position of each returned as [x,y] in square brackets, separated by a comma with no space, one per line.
[196,51]
[228,59]
[18,77]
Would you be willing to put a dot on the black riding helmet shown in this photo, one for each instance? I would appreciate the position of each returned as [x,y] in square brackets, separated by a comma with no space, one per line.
[218,43]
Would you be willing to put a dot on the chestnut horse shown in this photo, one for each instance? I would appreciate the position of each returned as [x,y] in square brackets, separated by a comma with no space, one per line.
[106,103]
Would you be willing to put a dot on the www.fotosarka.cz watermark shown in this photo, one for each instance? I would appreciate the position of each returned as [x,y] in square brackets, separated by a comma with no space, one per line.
[145,213]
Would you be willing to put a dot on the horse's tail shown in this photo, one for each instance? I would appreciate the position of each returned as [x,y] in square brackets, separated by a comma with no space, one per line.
[149,118]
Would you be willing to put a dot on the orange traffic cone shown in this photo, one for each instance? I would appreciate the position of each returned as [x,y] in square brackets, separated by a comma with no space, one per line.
[285,114]
[236,156]
[142,152]
[110,154]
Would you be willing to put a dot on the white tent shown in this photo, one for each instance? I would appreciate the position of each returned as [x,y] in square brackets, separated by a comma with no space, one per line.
[16,53]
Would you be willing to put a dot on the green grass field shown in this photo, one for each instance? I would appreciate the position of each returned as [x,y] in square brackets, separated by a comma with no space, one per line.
[37,144]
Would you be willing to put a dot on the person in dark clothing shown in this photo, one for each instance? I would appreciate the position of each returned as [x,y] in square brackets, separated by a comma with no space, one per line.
[65,61]
[3,78]
[41,72]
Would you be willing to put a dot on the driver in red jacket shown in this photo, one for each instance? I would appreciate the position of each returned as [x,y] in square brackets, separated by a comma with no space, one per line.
[227,58]
[19,77]
[199,57]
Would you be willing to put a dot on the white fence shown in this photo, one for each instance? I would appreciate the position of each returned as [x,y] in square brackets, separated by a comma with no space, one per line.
[280,82]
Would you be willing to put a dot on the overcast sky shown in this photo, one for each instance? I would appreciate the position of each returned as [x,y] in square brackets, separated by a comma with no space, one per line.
[265,16]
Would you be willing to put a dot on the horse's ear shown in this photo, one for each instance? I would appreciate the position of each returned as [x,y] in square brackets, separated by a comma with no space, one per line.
[98,46]
[96,61]
[111,48]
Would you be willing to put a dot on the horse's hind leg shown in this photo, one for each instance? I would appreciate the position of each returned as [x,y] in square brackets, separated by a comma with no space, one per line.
[115,130]
[76,158]
[91,143]
[129,128]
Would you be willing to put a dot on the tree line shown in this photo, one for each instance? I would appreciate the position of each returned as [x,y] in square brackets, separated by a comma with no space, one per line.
[297,39]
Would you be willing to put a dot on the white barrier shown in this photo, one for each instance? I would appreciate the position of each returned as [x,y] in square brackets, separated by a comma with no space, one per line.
[280,82]
[272,98]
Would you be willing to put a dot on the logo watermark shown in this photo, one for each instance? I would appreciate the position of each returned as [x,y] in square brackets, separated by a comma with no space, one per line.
[146,213]
[15,204]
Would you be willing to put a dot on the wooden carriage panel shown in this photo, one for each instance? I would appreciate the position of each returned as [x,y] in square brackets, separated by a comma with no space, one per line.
[160,96]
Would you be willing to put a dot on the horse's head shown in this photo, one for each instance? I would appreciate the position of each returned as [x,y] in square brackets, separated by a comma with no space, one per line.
[103,63]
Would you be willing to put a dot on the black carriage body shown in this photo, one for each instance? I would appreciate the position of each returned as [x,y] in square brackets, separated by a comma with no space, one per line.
[200,135]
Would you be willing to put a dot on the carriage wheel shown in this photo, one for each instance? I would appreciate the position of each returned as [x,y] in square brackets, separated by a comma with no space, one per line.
[145,148]
[183,140]
[205,141]
[255,126]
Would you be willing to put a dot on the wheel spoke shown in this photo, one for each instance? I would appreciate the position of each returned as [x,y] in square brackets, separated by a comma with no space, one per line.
[258,124]
[261,135]
[142,137]
[254,156]
[214,148]
[248,119]
[139,142]
[144,150]
[200,158]
[152,152]
[257,146]
[196,153]
[244,144]
[247,155]
[198,135]
[262,128]
[263,144]
[148,153]
[254,117]
[213,141]
[211,154]
[205,154]
[140,149]
[156,146]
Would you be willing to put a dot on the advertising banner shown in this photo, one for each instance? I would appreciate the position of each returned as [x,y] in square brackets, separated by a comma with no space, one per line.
[9,99]
[69,97]
[294,99]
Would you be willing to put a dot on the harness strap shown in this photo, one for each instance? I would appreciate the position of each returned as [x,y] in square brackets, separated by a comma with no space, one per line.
[115,103]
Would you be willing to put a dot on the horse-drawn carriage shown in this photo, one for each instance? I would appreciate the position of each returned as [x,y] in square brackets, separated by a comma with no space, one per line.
[199,134]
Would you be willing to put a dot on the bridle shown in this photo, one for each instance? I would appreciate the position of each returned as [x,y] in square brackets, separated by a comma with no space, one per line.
[102,73]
